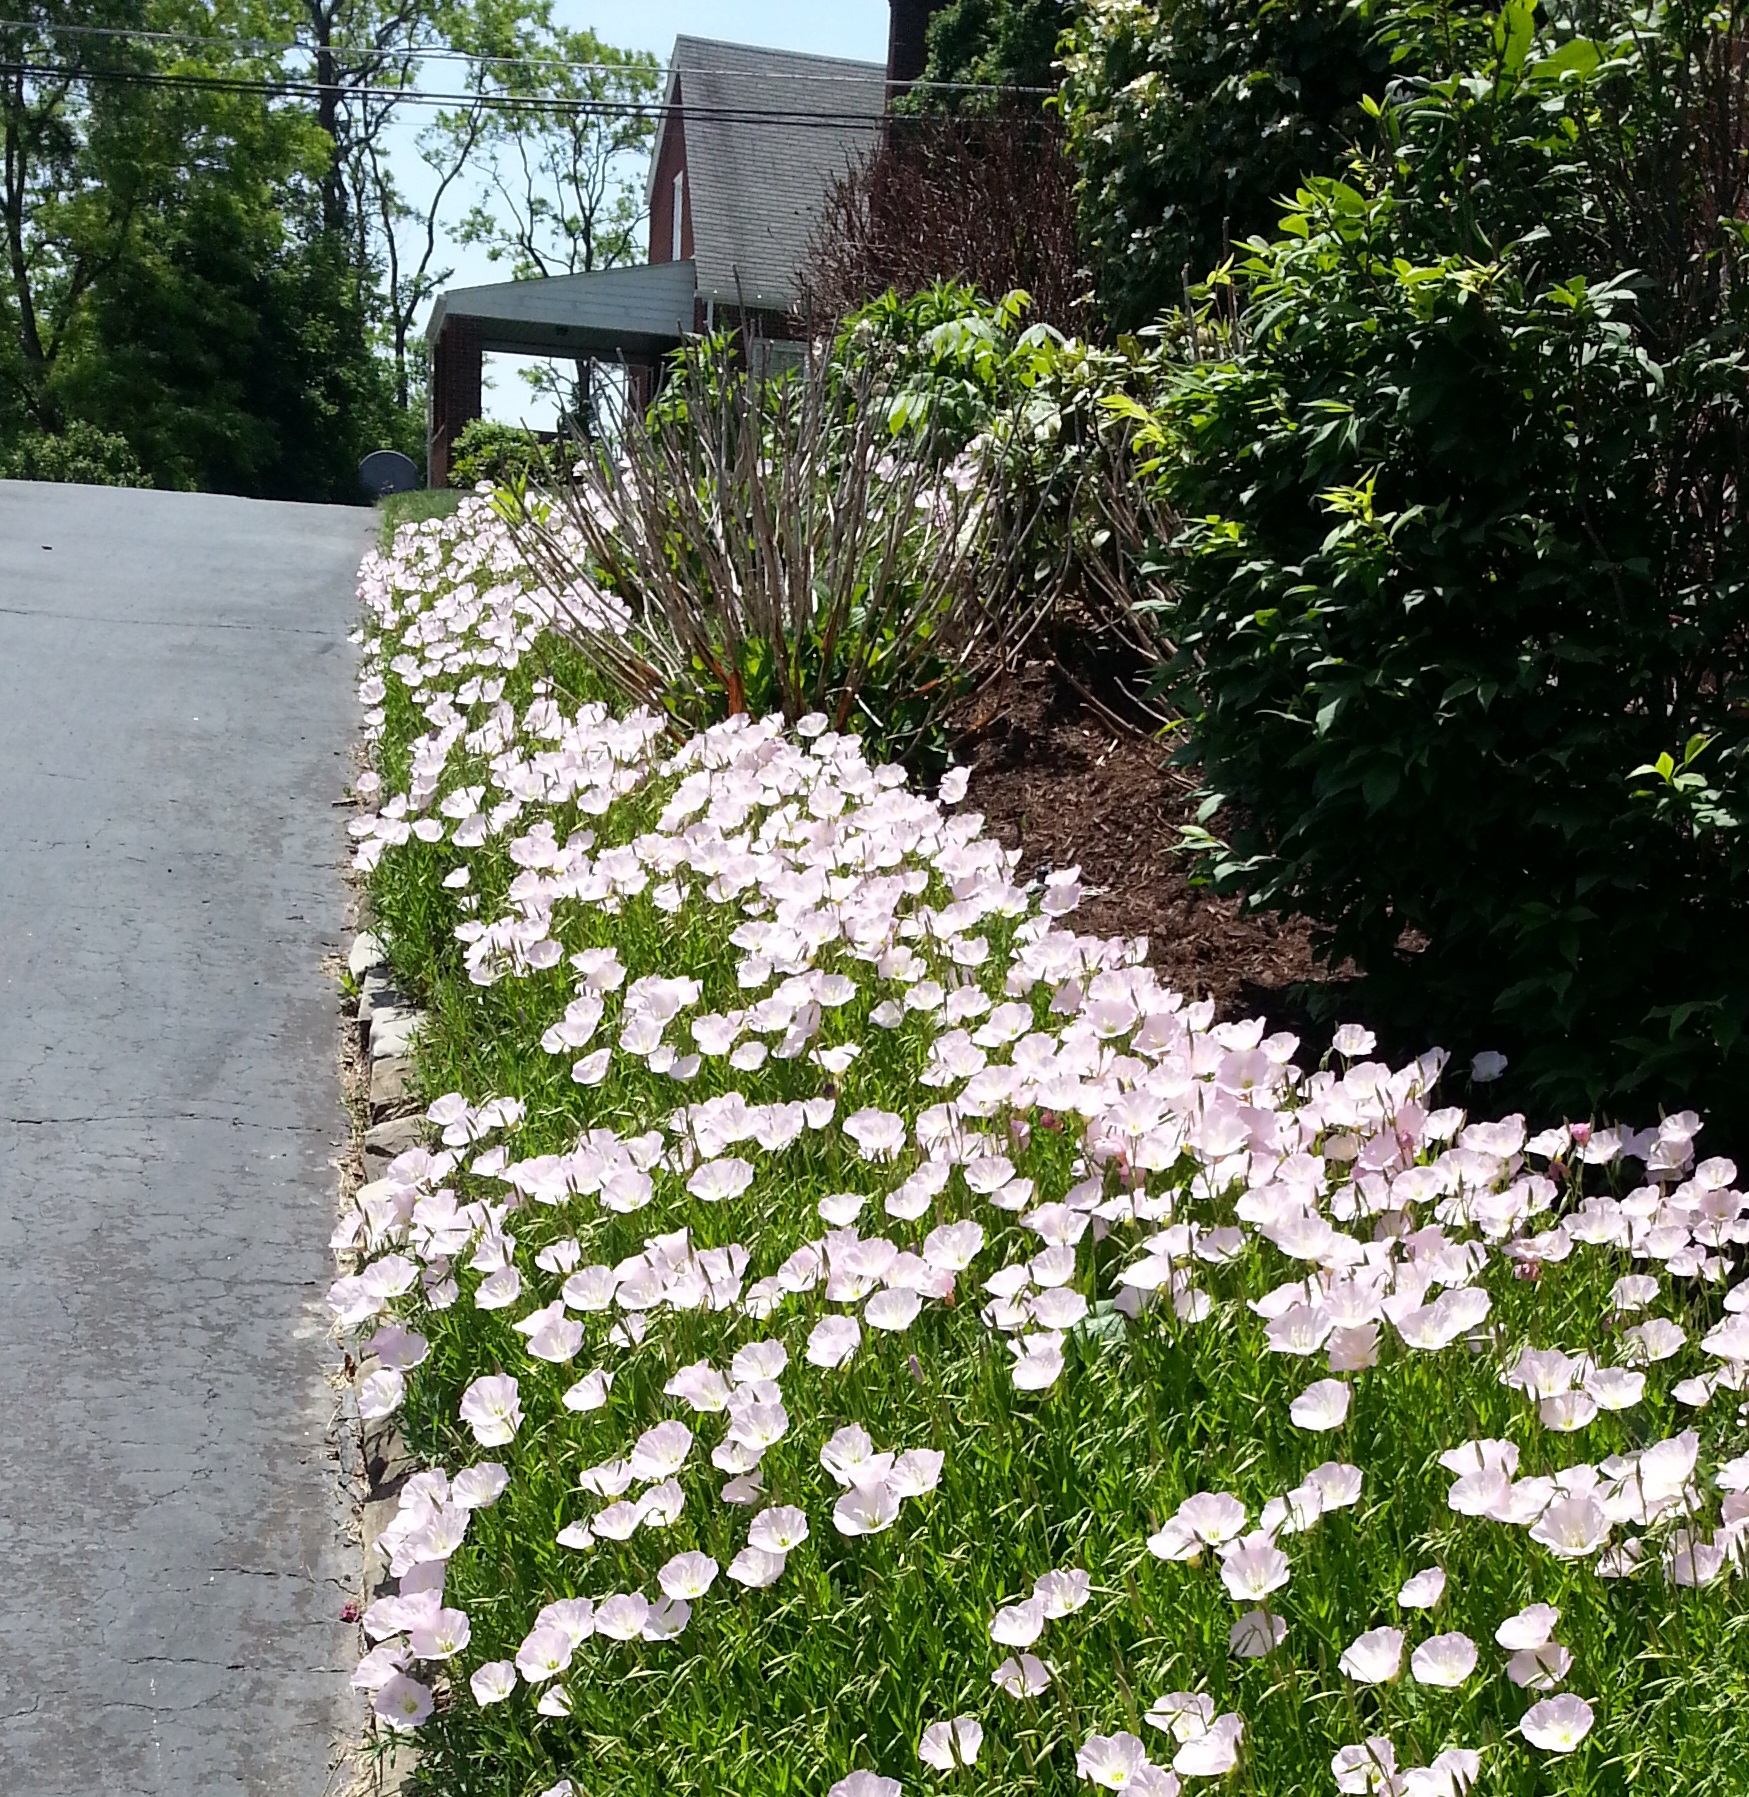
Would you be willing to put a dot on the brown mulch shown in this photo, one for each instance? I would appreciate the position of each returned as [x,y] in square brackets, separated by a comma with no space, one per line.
[1059,781]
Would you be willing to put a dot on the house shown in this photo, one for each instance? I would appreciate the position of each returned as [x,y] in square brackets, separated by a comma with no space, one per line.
[749,144]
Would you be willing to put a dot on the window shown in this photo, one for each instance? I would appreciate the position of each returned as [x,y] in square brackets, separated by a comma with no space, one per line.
[679,212]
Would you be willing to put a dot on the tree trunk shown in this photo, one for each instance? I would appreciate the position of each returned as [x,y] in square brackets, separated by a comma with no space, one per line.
[328,115]
[30,343]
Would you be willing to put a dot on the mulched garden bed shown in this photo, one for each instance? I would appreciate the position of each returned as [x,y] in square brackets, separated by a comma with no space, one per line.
[1068,788]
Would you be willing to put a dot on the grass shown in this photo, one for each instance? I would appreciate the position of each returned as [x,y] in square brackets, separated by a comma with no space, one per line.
[415,507]
[864,1640]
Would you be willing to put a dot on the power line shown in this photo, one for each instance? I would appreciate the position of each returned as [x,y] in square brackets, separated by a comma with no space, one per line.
[447,53]
[538,103]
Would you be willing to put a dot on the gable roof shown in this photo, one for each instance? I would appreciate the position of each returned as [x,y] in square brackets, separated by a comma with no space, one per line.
[767,133]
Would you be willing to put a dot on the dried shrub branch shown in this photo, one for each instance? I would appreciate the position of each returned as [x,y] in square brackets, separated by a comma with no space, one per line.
[772,546]
[988,201]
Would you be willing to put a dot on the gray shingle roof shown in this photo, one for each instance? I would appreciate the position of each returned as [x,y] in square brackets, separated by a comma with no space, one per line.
[643,310]
[767,133]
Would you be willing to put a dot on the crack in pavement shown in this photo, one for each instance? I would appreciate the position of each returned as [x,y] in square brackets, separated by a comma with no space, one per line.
[76,617]
[128,1116]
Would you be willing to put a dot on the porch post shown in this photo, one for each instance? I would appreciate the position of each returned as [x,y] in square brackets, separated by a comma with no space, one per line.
[456,376]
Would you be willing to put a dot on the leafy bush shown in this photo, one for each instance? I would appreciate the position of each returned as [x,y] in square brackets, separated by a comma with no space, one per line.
[1079,530]
[944,361]
[1086,527]
[80,453]
[502,453]
[945,1345]
[1468,556]
[1191,119]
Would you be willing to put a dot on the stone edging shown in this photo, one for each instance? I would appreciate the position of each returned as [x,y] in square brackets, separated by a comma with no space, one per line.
[375,1458]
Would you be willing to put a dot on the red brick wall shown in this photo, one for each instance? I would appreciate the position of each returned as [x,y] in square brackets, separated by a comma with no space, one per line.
[670,163]
[456,392]
[908,39]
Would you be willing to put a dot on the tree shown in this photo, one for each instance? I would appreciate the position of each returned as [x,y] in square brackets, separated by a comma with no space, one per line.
[365,62]
[995,43]
[167,272]
[564,197]
[1192,120]
[406,238]
[213,243]
[64,223]
[364,56]
[546,123]
[564,189]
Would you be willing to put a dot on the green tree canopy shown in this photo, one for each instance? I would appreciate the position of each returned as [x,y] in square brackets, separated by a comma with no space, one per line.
[1007,43]
[168,278]
[217,238]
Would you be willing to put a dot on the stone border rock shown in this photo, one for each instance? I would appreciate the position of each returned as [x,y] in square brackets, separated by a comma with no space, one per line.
[388,1026]
[376,1461]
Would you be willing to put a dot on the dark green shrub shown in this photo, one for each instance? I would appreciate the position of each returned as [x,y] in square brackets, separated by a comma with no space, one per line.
[487,450]
[1467,556]
[80,453]
[1192,118]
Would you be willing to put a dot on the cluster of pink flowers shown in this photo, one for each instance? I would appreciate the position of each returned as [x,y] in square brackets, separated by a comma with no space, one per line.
[834,884]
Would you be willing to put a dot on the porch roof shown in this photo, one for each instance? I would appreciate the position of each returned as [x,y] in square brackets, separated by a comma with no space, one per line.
[638,313]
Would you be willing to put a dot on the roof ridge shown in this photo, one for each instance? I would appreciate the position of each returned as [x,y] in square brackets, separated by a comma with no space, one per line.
[771,50]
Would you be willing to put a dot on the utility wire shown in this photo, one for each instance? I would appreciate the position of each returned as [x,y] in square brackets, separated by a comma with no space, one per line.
[412,96]
[446,53]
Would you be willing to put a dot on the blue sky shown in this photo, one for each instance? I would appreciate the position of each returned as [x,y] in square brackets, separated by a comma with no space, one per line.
[825,27]
[856,28]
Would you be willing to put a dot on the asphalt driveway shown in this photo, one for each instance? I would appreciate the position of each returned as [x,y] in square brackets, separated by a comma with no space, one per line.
[175,707]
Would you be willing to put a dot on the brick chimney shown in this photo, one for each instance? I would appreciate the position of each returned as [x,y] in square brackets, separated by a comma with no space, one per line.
[907,40]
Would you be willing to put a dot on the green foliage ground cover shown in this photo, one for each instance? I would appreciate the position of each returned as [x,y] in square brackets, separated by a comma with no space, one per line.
[771,1110]
[1270,1426]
